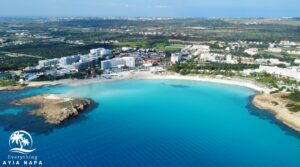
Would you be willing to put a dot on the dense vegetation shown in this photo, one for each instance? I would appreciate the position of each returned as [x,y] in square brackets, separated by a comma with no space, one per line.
[265,78]
[13,63]
[8,80]
[51,50]
[194,67]
[81,74]
[294,105]
[295,96]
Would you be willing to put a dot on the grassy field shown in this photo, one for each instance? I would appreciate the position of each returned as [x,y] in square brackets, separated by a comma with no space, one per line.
[174,47]
[130,44]
[158,46]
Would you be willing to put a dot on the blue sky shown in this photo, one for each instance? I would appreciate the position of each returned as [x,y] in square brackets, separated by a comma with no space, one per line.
[152,8]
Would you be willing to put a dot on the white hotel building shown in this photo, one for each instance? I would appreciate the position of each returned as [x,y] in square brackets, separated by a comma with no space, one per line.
[101,52]
[291,72]
[118,63]
[64,61]
[48,63]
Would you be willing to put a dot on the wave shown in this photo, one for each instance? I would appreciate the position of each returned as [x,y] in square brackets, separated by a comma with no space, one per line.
[21,151]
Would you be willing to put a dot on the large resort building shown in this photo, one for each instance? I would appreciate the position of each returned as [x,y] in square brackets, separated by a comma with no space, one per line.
[118,63]
[77,61]
[48,63]
[101,52]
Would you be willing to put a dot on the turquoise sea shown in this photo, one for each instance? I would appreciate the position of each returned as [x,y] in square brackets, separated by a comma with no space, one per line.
[155,123]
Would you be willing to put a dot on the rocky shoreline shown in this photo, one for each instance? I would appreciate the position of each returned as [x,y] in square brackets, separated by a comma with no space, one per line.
[55,109]
[276,103]
[13,88]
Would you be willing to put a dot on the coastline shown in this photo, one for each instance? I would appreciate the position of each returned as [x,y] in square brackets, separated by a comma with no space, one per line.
[277,105]
[142,75]
[232,81]
[262,100]
[13,88]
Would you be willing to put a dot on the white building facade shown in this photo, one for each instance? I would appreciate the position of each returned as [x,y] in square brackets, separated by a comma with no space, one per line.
[176,57]
[48,63]
[64,61]
[118,63]
[101,52]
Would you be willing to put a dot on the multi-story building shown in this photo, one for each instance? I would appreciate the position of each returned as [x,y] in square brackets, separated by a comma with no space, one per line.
[292,72]
[118,62]
[196,50]
[68,60]
[48,63]
[130,61]
[101,52]
[86,62]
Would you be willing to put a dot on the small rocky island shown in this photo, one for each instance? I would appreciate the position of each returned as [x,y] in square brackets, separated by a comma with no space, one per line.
[55,109]
[13,88]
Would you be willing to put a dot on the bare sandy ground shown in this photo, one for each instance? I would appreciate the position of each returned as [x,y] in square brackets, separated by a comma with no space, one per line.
[277,104]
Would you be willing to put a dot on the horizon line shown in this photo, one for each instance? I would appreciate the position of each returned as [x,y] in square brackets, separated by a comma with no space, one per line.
[152,17]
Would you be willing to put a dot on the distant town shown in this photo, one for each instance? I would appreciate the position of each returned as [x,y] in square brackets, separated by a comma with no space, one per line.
[130,58]
[82,48]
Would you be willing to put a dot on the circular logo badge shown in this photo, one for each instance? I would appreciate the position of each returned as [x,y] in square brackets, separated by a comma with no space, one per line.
[21,142]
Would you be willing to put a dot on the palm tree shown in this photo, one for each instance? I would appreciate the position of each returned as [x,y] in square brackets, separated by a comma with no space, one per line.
[25,142]
[18,138]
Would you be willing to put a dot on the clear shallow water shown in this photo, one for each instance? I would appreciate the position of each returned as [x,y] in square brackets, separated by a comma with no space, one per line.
[156,123]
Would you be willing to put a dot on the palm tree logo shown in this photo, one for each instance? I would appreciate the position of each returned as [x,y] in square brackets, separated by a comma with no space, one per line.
[21,142]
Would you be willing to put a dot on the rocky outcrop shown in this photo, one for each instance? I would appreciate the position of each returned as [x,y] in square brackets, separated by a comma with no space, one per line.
[56,109]
[277,104]
[13,88]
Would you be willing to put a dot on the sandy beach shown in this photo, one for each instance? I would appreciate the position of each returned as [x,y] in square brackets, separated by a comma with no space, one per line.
[227,81]
[142,75]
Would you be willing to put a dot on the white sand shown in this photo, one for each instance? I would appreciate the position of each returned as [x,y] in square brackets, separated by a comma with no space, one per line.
[52,97]
[150,76]
[238,82]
